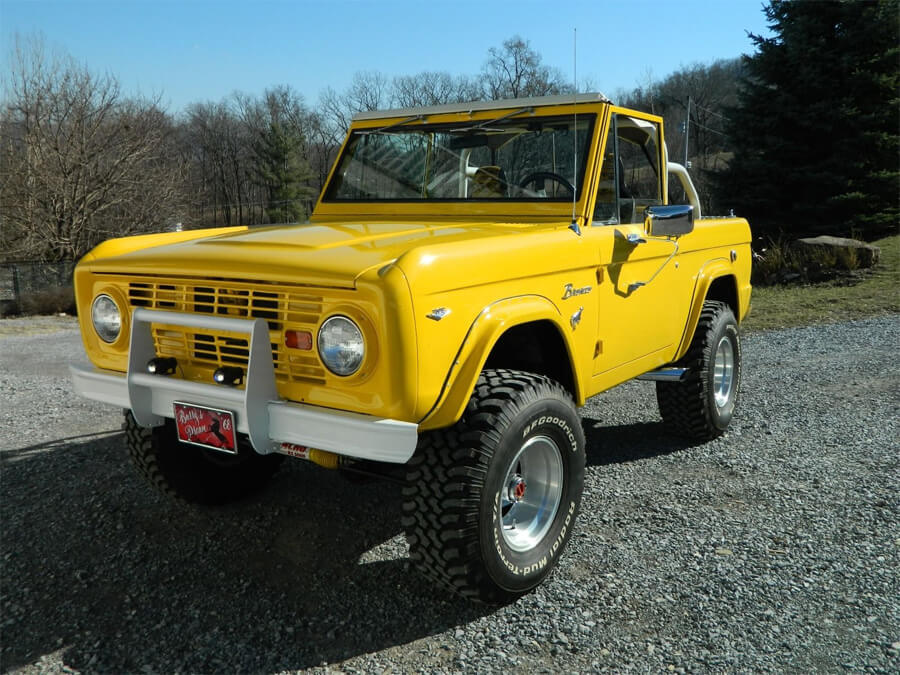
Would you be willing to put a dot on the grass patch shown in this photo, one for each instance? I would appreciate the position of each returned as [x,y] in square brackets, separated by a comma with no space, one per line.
[870,293]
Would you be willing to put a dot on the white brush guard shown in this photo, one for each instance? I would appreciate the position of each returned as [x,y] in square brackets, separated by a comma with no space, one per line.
[268,420]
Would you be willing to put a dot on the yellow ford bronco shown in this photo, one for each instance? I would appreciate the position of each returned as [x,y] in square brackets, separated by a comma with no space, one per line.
[470,275]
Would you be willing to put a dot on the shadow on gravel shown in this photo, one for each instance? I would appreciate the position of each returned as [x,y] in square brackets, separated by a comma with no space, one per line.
[629,442]
[99,570]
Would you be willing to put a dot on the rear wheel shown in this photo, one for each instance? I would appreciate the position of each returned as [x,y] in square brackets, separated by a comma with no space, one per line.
[701,406]
[492,500]
[194,474]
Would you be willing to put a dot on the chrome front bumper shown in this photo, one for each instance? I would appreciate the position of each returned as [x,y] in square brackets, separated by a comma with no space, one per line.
[259,412]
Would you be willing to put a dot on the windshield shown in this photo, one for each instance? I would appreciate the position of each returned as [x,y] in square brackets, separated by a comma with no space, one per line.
[512,159]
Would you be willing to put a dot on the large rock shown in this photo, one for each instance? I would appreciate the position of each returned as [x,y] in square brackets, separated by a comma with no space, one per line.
[843,251]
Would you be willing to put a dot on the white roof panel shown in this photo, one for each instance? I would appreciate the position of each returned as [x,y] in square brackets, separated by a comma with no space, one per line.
[475,106]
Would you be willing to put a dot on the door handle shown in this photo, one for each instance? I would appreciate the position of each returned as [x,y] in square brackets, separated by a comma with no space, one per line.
[634,239]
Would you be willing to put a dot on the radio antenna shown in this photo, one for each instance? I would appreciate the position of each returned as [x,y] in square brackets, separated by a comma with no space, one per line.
[574,226]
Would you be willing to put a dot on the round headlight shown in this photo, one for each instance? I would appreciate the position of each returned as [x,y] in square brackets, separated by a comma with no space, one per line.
[341,345]
[106,318]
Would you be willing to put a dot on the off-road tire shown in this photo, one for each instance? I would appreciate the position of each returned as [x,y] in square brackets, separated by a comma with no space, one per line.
[457,496]
[698,407]
[188,473]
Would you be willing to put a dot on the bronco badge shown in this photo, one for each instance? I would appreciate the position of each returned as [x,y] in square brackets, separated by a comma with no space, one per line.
[571,291]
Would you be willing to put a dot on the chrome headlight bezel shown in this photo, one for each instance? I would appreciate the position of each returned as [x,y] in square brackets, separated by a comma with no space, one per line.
[106,318]
[341,345]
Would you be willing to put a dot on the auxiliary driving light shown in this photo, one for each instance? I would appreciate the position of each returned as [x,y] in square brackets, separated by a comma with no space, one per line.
[231,375]
[162,365]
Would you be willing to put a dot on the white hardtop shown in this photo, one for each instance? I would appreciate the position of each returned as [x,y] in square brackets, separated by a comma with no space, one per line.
[476,106]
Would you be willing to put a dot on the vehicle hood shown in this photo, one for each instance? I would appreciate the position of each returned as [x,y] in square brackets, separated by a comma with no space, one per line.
[320,254]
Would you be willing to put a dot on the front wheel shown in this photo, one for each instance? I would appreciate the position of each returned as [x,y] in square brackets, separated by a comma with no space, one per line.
[702,405]
[491,501]
[193,474]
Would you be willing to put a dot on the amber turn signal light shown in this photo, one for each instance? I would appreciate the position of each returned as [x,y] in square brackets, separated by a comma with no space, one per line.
[298,339]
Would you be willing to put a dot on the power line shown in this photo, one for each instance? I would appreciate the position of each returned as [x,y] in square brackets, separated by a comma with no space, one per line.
[703,126]
[711,112]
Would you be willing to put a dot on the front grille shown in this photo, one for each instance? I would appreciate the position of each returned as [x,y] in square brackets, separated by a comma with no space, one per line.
[279,305]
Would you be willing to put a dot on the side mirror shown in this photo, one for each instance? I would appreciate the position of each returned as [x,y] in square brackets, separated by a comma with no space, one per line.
[669,221]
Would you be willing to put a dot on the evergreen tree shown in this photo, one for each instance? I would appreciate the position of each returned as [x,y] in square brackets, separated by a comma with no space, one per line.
[285,173]
[815,133]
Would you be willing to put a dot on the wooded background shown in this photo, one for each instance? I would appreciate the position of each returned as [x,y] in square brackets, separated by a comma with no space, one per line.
[801,136]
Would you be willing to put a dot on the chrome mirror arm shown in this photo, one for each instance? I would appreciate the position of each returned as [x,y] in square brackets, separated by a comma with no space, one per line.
[632,287]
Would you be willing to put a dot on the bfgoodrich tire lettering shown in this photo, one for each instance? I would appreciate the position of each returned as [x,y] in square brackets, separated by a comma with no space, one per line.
[702,405]
[519,439]
[193,474]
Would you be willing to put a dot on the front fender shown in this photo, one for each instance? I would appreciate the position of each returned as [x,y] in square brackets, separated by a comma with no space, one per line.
[487,328]
[715,269]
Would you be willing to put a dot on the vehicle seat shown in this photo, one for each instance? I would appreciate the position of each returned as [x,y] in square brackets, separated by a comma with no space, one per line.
[488,182]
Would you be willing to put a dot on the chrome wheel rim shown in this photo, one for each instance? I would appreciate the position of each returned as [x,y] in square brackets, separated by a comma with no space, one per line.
[531,493]
[723,373]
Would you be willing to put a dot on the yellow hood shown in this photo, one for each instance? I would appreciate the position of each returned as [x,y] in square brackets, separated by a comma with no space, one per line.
[332,254]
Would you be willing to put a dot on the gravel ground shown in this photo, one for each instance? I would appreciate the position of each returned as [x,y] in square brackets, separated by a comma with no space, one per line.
[775,548]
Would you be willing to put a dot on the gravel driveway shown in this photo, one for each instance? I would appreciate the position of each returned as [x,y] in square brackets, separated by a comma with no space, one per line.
[775,548]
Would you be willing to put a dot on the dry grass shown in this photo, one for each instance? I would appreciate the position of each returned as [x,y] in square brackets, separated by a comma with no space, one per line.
[870,293]
[36,325]
[50,301]
[54,300]
[781,261]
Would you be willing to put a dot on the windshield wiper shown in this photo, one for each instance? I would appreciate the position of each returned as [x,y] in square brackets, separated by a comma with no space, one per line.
[414,118]
[482,125]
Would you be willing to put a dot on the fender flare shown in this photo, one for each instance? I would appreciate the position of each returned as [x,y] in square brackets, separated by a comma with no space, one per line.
[484,332]
[711,271]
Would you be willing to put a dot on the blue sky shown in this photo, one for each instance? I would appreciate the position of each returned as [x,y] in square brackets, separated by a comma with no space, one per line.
[195,50]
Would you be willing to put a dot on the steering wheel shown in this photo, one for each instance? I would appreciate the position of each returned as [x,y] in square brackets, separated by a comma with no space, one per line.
[547,175]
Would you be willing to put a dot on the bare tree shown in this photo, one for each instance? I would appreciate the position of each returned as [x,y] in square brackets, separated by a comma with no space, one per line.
[516,70]
[80,162]
[248,158]
[511,71]
[220,150]
[711,90]
[369,90]
[335,114]
[321,148]
[433,88]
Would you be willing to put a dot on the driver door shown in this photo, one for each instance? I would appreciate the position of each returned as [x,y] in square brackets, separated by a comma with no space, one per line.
[635,330]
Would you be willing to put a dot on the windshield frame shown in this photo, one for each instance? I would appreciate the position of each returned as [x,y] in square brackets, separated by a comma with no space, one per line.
[516,206]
